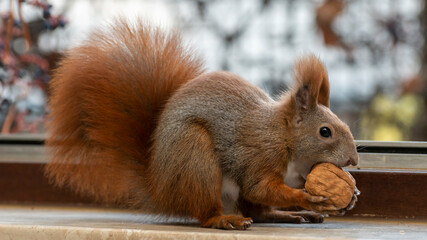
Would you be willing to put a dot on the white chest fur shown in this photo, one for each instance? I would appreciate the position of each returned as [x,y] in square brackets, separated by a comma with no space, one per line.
[293,177]
[229,195]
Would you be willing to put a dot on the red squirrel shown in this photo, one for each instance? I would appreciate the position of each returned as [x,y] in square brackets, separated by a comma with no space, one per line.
[135,120]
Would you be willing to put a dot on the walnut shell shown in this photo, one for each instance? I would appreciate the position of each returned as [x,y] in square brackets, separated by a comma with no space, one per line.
[327,180]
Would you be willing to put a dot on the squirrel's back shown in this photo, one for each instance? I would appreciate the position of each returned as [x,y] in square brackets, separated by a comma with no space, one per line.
[105,99]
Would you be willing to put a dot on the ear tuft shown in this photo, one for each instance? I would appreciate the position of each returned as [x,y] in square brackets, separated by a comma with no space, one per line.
[302,97]
[309,73]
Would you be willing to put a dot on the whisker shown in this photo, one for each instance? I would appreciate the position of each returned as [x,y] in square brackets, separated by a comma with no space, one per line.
[359,148]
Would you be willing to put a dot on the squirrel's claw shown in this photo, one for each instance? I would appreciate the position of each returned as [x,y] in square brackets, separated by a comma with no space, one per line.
[356,192]
[353,200]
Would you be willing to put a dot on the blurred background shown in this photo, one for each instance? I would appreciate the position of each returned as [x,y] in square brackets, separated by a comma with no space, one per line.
[375,52]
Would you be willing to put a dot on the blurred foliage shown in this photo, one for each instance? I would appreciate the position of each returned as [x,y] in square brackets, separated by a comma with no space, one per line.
[374,52]
[24,69]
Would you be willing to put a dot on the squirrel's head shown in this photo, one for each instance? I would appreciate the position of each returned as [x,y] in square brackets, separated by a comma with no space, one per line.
[317,134]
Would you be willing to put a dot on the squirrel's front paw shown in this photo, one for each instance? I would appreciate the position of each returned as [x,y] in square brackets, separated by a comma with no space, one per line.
[322,205]
[353,200]
[317,203]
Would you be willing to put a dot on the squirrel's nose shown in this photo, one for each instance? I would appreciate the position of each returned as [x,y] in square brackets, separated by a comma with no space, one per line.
[353,161]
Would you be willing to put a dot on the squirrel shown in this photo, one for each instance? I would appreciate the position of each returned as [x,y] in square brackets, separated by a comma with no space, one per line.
[135,120]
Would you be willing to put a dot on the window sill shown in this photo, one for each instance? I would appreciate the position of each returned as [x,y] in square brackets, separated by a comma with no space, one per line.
[95,223]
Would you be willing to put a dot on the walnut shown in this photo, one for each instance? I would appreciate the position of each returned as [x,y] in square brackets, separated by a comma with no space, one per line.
[327,180]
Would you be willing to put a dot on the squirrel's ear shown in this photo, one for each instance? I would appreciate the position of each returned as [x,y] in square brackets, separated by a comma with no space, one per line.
[312,83]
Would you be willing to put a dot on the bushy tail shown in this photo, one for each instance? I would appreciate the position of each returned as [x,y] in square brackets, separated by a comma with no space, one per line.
[105,99]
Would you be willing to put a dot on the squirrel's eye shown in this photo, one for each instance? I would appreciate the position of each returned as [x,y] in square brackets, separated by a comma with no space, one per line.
[325,132]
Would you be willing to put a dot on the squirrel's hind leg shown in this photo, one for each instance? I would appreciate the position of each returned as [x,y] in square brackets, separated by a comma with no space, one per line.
[187,178]
[279,216]
[266,214]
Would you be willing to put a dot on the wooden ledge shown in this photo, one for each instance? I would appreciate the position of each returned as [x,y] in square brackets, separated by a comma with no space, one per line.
[32,222]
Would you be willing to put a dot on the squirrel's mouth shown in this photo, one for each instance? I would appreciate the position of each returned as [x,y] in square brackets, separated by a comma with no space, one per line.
[304,176]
